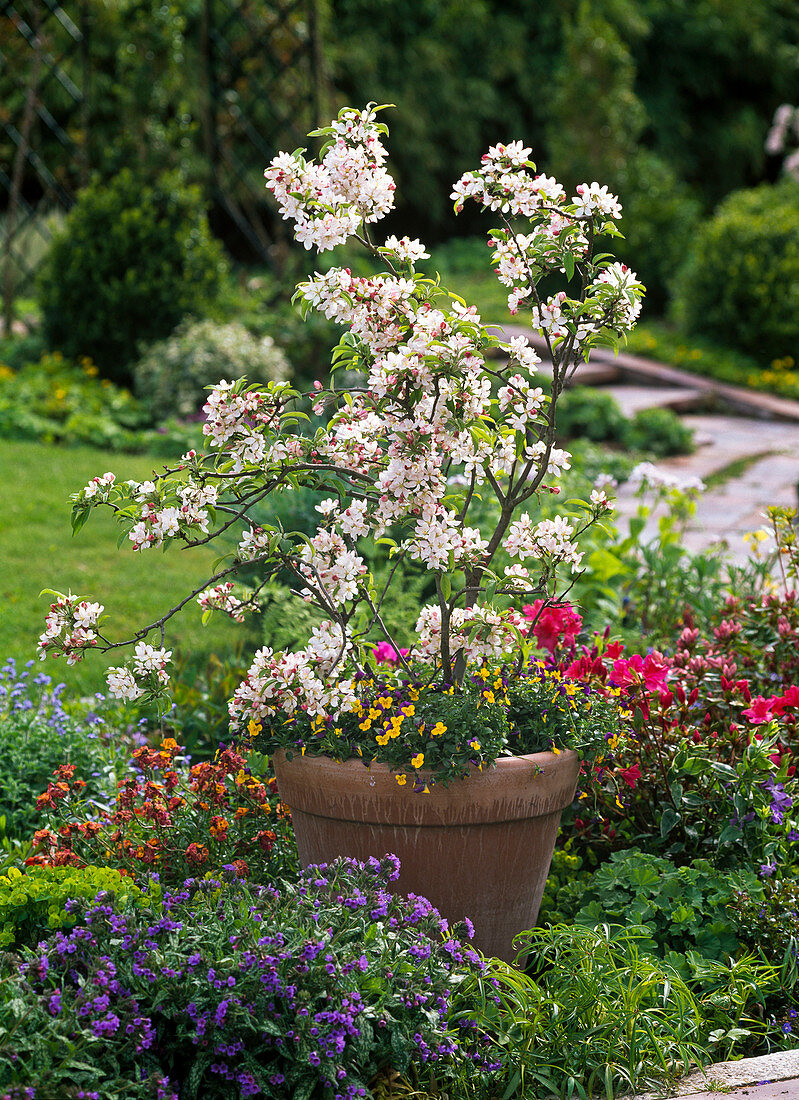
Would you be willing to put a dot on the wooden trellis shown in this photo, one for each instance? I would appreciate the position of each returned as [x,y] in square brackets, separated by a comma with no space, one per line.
[252,81]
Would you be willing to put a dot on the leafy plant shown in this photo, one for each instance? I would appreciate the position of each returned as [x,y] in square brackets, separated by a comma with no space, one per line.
[678,909]
[740,283]
[39,734]
[660,432]
[598,1016]
[134,259]
[34,903]
[172,376]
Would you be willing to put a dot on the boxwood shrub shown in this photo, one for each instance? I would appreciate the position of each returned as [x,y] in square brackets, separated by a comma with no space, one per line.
[133,260]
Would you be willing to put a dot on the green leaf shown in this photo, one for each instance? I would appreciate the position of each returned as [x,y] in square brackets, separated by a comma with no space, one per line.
[668,820]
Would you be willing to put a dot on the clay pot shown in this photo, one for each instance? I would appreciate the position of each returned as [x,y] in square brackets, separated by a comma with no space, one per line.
[480,848]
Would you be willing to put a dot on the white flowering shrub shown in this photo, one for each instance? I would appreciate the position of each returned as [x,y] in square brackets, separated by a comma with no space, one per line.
[438,424]
[173,375]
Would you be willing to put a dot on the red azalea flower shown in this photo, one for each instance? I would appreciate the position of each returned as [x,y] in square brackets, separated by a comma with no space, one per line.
[630,775]
[553,621]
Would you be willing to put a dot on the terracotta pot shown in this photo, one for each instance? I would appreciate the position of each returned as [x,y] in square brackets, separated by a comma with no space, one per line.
[480,848]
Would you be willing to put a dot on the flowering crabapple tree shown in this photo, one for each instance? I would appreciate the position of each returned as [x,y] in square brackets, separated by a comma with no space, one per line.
[438,421]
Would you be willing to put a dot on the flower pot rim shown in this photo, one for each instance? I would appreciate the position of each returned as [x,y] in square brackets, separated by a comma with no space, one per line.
[515,788]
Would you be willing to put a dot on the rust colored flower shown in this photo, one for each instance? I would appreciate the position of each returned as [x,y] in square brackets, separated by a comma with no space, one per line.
[197,854]
[219,827]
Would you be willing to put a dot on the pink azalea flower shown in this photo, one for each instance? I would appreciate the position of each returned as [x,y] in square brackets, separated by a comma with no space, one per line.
[630,775]
[385,654]
[553,621]
[760,710]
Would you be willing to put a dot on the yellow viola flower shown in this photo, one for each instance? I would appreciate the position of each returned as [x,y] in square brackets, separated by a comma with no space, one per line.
[475,745]
[417,760]
[438,729]
[402,780]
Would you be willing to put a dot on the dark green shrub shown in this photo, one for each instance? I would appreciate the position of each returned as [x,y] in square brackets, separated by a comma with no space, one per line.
[660,218]
[586,413]
[173,374]
[661,432]
[740,283]
[34,903]
[134,259]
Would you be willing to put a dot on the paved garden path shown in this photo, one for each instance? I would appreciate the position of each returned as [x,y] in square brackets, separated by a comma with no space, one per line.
[747,443]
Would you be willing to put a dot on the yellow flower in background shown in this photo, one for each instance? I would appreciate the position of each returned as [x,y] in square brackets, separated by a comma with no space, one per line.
[438,729]
[402,780]
[417,760]
[475,745]
[413,694]
[254,727]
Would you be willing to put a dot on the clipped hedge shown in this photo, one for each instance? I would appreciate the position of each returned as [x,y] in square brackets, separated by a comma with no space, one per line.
[133,260]
[740,283]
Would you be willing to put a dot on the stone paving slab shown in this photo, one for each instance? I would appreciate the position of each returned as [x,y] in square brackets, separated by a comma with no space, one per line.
[770,1077]
[738,506]
[632,399]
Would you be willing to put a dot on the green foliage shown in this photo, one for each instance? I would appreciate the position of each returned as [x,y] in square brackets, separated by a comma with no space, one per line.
[600,1016]
[463,74]
[678,909]
[588,413]
[59,401]
[740,283]
[172,376]
[545,711]
[772,922]
[659,432]
[595,117]
[134,259]
[593,414]
[35,902]
[710,73]
[202,684]
[660,218]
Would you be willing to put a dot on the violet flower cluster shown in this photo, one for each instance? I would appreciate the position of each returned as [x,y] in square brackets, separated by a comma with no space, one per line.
[253,993]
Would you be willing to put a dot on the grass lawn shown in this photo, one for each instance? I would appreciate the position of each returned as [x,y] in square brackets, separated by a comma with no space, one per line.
[37,550]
